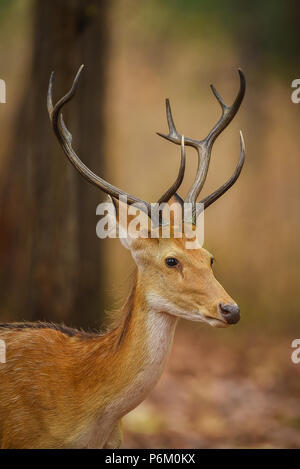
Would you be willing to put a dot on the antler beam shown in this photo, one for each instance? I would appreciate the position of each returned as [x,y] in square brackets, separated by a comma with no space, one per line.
[65,140]
[204,146]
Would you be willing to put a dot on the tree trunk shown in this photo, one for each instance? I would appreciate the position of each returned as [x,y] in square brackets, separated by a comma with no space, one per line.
[51,259]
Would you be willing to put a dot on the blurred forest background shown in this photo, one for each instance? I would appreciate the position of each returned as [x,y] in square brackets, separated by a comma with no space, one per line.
[222,388]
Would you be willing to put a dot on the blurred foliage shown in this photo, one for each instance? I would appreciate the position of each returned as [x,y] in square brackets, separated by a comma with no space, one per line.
[3,5]
[8,6]
[270,28]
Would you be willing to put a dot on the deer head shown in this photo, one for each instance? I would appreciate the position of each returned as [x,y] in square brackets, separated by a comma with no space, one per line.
[172,278]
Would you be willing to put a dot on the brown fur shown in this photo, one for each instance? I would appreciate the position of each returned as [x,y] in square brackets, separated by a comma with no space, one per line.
[54,382]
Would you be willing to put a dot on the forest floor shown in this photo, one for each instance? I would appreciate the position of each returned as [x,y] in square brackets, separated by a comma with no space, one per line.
[241,393]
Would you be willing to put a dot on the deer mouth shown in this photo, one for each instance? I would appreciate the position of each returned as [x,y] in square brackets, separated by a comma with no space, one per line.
[215,322]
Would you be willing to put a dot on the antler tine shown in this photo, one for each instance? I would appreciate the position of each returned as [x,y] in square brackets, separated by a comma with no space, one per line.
[210,199]
[54,110]
[173,189]
[228,112]
[205,146]
[65,139]
[174,136]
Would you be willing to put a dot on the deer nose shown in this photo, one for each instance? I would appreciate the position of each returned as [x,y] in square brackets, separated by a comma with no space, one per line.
[230,312]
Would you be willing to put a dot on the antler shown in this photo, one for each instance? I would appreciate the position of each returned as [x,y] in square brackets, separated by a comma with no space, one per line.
[65,140]
[204,146]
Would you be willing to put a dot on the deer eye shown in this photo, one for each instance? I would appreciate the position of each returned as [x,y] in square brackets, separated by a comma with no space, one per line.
[212,260]
[171,261]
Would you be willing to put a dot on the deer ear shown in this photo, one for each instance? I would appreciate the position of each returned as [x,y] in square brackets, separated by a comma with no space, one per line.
[131,222]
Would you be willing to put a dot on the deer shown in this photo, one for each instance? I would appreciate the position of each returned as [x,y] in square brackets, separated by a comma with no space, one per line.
[66,388]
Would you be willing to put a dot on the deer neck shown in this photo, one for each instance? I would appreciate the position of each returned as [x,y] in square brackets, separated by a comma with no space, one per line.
[143,348]
[123,366]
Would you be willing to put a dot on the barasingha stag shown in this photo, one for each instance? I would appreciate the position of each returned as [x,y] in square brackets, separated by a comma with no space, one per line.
[63,388]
